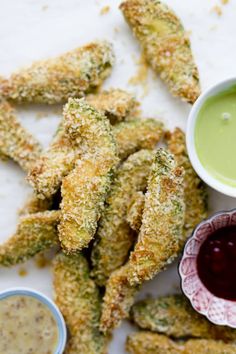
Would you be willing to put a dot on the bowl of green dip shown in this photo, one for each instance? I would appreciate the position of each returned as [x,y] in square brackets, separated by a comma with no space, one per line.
[211,137]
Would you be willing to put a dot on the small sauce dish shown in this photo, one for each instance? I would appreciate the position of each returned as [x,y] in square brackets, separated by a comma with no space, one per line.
[210,137]
[208,266]
[30,321]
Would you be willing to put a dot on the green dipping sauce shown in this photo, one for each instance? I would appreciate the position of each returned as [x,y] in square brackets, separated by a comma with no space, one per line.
[215,136]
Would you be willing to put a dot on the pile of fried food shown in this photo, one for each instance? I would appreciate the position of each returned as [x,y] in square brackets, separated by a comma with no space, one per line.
[118,208]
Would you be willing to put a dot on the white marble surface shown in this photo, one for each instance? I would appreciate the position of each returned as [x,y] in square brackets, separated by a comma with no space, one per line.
[31,30]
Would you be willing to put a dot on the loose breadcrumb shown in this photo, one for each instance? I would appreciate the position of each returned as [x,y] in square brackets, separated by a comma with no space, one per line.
[22,272]
[217,9]
[105,10]
[140,78]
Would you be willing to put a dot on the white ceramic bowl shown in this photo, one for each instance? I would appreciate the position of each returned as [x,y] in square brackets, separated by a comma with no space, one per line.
[190,141]
[52,307]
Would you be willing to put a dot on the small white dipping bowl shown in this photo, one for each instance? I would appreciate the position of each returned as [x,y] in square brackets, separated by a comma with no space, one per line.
[190,139]
[51,306]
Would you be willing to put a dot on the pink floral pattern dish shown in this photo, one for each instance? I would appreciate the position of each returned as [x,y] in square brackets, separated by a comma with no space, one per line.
[217,310]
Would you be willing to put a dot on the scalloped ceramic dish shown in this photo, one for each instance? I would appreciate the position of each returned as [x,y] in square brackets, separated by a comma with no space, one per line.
[217,310]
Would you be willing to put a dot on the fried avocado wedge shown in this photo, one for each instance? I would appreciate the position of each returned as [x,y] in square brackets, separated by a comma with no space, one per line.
[137,134]
[35,205]
[55,80]
[79,301]
[174,316]
[135,211]
[15,141]
[162,222]
[195,190]
[165,44]
[118,299]
[54,164]
[114,237]
[116,104]
[85,189]
[60,157]
[150,343]
[35,233]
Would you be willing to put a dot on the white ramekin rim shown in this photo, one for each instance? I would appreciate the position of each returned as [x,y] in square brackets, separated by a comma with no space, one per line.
[190,143]
[50,304]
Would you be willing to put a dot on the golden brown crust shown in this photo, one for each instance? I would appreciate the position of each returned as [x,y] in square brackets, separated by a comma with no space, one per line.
[195,190]
[162,222]
[165,44]
[55,80]
[35,233]
[15,141]
[79,301]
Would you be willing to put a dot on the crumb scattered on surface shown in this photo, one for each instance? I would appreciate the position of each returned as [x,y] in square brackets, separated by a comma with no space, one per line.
[44,7]
[41,261]
[140,78]
[105,10]
[40,115]
[224,2]
[217,9]
[116,29]
[22,272]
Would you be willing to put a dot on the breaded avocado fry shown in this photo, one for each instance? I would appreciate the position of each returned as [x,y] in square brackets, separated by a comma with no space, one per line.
[116,104]
[165,44]
[150,343]
[162,222]
[15,141]
[35,205]
[55,80]
[85,189]
[118,299]
[137,134]
[195,190]
[174,316]
[53,164]
[135,211]
[114,237]
[35,233]
[79,301]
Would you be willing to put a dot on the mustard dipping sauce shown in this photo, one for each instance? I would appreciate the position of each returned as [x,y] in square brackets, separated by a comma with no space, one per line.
[215,136]
[27,326]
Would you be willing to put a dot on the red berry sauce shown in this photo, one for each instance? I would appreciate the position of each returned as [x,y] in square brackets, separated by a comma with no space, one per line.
[216,263]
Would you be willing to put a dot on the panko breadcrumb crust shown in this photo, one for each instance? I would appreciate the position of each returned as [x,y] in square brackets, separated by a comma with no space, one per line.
[114,237]
[195,190]
[135,211]
[55,80]
[165,44]
[85,189]
[150,343]
[118,299]
[116,104]
[15,141]
[137,134]
[162,222]
[35,233]
[174,316]
[79,301]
